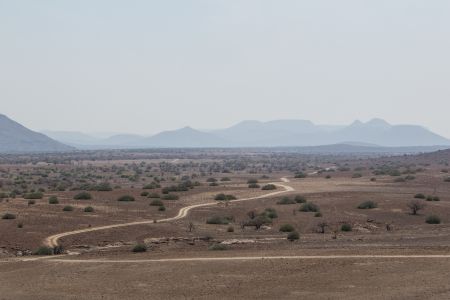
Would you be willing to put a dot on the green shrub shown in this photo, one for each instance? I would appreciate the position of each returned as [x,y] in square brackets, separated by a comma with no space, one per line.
[152,186]
[223,197]
[346,227]
[433,219]
[269,187]
[300,175]
[156,202]
[318,214]
[154,195]
[82,196]
[357,175]
[419,196]
[258,221]
[103,187]
[170,197]
[287,228]
[293,236]
[43,251]
[309,207]
[286,201]
[140,248]
[254,186]
[368,205]
[270,213]
[433,198]
[53,200]
[162,208]
[88,209]
[144,194]
[219,220]
[300,199]
[68,208]
[218,247]
[252,181]
[34,195]
[8,216]
[126,198]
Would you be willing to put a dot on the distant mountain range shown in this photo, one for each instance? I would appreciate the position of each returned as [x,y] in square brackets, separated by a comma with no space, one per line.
[279,133]
[375,135]
[15,138]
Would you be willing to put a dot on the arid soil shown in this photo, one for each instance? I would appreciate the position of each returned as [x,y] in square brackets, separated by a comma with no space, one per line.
[388,253]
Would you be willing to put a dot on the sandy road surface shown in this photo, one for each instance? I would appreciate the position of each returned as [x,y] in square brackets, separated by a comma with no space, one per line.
[52,241]
[246,258]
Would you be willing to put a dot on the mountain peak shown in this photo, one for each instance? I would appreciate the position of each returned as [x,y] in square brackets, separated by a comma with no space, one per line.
[378,122]
[356,123]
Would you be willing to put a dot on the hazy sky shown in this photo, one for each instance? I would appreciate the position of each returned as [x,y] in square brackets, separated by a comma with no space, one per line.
[145,66]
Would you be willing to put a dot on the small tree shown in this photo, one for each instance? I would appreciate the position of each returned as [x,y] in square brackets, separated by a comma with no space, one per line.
[322,226]
[191,226]
[415,206]
[252,214]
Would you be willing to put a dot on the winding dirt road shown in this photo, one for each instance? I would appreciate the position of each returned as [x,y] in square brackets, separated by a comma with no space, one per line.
[52,241]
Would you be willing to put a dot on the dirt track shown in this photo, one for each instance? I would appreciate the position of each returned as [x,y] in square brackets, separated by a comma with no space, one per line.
[52,241]
[245,258]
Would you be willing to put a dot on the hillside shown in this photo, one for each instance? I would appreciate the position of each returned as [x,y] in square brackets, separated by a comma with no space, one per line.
[15,138]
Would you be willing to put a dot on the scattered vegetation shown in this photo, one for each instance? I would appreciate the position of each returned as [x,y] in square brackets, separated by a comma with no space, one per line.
[53,200]
[83,196]
[68,208]
[286,201]
[8,216]
[287,228]
[433,219]
[220,220]
[269,187]
[44,251]
[368,205]
[139,248]
[88,209]
[224,197]
[415,206]
[170,197]
[126,198]
[309,207]
[346,227]
[218,247]
[293,236]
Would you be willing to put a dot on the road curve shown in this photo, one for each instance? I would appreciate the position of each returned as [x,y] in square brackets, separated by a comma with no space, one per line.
[52,241]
